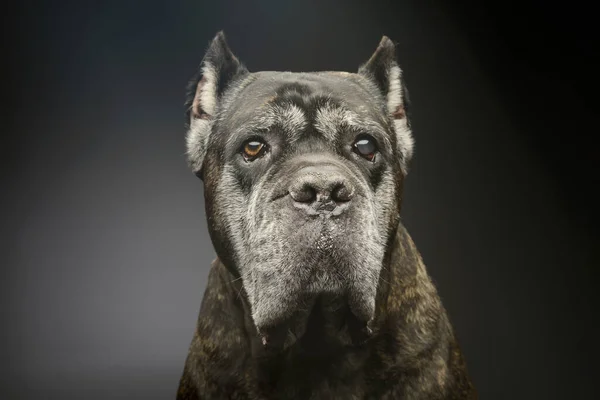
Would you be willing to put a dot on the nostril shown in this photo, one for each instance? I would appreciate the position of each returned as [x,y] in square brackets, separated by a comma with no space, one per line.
[342,193]
[304,194]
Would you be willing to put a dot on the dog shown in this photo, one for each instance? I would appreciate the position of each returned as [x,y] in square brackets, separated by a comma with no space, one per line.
[317,291]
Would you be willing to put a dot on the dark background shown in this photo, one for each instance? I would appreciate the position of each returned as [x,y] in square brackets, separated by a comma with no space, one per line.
[104,241]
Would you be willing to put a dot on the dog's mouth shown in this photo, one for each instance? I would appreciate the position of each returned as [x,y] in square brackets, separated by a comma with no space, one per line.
[328,324]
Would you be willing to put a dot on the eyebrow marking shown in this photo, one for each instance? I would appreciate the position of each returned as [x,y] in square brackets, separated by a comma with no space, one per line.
[292,116]
[289,117]
[330,119]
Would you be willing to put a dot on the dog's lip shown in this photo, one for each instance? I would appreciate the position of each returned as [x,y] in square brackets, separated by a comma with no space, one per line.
[273,337]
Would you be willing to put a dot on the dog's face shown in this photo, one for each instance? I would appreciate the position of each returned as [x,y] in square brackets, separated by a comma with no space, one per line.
[303,177]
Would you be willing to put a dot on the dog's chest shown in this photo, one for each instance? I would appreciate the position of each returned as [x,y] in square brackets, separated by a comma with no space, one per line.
[341,377]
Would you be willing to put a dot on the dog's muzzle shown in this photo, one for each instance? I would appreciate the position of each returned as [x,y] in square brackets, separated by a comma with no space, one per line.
[323,215]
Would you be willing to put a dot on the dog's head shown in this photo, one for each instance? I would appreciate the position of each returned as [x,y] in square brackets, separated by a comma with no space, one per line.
[303,176]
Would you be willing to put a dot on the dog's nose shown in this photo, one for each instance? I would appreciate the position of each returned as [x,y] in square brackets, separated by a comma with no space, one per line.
[321,189]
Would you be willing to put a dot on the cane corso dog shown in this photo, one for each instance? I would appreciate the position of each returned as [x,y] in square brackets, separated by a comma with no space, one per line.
[318,291]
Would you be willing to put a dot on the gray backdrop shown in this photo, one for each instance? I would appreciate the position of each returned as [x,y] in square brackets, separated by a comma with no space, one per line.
[106,250]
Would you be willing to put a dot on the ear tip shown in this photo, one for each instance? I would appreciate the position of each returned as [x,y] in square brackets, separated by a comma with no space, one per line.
[220,38]
[218,47]
[386,42]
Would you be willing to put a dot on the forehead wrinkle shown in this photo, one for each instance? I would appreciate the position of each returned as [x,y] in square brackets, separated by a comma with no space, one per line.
[258,122]
[289,117]
[330,119]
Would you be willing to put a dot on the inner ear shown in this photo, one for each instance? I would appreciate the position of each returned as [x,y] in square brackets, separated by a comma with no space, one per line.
[197,111]
[399,112]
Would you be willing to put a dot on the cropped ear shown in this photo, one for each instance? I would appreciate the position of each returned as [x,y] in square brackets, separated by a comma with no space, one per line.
[219,68]
[383,69]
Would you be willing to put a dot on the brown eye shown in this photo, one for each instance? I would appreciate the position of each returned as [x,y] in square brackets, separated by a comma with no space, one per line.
[253,149]
[366,147]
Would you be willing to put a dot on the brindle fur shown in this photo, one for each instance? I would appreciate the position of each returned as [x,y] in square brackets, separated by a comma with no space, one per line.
[412,353]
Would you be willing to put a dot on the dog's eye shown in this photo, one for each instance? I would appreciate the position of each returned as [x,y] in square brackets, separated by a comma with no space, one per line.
[365,147]
[253,149]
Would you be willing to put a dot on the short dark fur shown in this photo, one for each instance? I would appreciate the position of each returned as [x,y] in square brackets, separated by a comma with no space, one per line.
[412,353]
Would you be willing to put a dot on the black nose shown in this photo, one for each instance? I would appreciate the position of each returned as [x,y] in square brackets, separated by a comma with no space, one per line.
[321,189]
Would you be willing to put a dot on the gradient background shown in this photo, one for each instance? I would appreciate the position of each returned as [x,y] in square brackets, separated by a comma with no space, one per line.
[105,249]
